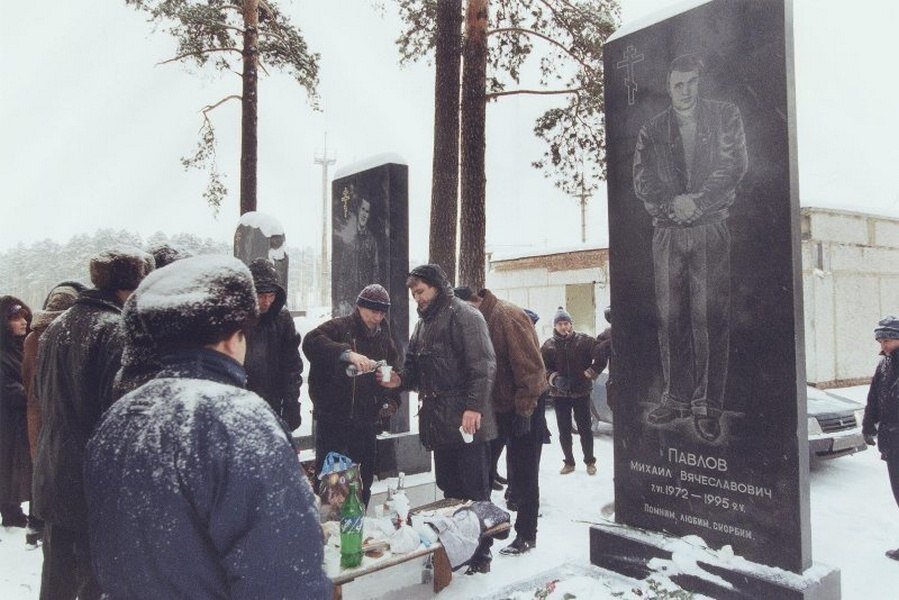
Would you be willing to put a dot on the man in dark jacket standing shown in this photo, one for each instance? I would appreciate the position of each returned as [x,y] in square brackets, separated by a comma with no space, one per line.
[192,482]
[451,363]
[520,379]
[78,358]
[882,411]
[347,409]
[572,363]
[274,367]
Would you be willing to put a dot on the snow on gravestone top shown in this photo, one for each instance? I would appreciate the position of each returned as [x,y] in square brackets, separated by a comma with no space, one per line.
[654,17]
[369,163]
[267,224]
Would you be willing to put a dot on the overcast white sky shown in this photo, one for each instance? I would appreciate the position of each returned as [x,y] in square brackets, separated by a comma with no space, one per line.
[91,130]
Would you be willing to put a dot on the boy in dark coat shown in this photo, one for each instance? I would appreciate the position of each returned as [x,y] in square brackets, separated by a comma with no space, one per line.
[274,366]
[347,409]
[193,486]
[882,410]
[572,363]
[78,358]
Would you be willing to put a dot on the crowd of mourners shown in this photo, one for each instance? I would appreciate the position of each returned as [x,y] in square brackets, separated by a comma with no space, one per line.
[147,419]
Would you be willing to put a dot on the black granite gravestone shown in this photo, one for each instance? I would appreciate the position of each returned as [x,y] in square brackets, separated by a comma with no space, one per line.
[259,235]
[710,424]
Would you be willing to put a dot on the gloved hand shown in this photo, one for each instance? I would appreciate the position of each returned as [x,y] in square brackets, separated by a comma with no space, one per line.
[870,439]
[521,425]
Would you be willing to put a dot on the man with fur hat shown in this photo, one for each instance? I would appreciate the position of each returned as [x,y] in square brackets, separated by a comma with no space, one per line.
[79,355]
[451,363]
[572,363]
[520,379]
[192,483]
[882,410]
[274,366]
[347,409]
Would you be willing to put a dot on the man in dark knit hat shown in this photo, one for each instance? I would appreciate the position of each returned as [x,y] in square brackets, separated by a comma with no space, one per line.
[79,355]
[274,366]
[572,363]
[881,422]
[192,482]
[347,408]
[451,363]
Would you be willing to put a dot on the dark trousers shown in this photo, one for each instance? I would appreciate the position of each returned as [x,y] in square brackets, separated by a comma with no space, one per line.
[496,449]
[67,571]
[691,268]
[563,408]
[356,441]
[523,455]
[893,469]
[464,472]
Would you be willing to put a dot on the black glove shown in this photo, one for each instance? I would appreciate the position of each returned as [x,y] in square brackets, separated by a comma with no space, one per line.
[870,439]
[521,425]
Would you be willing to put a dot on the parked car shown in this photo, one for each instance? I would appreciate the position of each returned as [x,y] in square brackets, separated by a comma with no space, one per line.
[834,422]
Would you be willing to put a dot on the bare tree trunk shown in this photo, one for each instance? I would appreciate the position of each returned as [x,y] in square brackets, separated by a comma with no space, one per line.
[474,182]
[445,166]
[248,145]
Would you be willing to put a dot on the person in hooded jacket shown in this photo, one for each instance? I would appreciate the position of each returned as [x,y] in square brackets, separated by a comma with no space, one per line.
[347,409]
[79,355]
[60,299]
[15,460]
[192,482]
[572,363]
[881,421]
[451,363]
[273,364]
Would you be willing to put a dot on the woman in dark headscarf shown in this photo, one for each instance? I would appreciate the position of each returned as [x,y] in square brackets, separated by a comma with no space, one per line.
[15,461]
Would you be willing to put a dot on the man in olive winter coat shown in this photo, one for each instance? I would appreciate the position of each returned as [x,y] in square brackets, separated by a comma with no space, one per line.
[451,363]
[274,366]
[347,409]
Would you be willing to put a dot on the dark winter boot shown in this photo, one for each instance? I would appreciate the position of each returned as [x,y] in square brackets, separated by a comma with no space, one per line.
[894,554]
[12,516]
[518,547]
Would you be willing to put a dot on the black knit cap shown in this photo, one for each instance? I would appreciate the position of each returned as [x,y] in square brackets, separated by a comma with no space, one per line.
[265,276]
[887,329]
[432,275]
[463,293]
[374,297]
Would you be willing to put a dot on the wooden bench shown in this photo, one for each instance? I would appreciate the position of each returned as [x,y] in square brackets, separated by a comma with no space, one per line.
[443,571]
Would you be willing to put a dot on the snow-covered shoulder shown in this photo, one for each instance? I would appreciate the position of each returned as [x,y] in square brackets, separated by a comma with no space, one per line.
[655,17]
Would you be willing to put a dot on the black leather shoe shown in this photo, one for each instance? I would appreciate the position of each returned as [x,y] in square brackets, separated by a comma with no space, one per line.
[501,479]
[15,521]
[665,414]
[478,567]
[518,547]
[496,486]
[708,428]
[894,554]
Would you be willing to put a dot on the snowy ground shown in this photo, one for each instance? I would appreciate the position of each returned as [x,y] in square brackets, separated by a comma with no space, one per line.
[854,520]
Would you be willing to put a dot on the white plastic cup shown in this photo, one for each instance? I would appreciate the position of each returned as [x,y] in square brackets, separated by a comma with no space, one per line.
[468,437]
[386,370]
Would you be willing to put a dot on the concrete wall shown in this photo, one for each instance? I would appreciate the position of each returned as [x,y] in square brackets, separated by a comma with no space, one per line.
[850,279]
[850,276]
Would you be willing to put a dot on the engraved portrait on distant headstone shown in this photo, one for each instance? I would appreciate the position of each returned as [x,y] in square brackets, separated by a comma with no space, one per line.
[357,255]
[688,161]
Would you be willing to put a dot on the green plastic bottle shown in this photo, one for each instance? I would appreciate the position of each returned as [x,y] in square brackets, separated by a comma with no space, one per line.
[351,514]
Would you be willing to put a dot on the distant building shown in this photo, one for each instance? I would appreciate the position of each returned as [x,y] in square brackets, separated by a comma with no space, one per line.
[850,278]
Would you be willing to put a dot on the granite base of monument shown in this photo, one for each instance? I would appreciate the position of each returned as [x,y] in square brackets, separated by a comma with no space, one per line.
[401,452]
[638,554]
